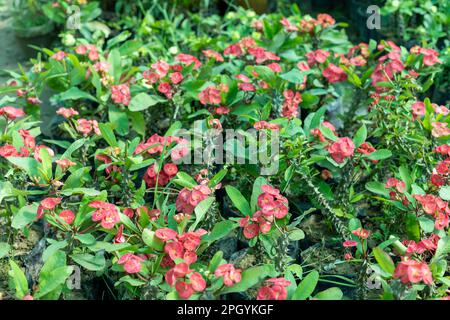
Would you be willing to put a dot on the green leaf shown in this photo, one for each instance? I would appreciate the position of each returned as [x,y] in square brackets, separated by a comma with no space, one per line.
[87,238]
[29,165]
[380,154]
[185,180]
[89,261]
[108,134]
[360,136]
[296,235]
[443,249]
[115,63]
[200,211]
[444,193]
[4,249]
[384,260]
[75,94]
[328,133]
[24,216]
[217,178]
[220,230]
[251,277]
[377,188]
[412,226]
[307,286]
[149,238]
[143,101]
[51,249]
[215,261]
[19,280]
[118,119]
[330,294]
[238,200]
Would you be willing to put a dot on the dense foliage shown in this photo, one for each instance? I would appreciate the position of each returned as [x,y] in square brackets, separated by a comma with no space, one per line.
[357,207]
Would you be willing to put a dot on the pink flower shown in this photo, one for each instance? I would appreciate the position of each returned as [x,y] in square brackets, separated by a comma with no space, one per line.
[418,109]
[230,275]
[341,149]
[86,127]
[65,163]
[68,216]
[275,290]
[210,95]
[213,54]
[288,27]
[106,213]
[28,140]
[334,74]
[234,50]
[318,56]
[440,129]
[197,282]
[184,289]
[361,233]
[67,112]
[187,59]
[50,203]
[58,56]
[430,57]
[176,77]
[411,271]
[11,113]
[161,68]
[349,243]
[166,89]
[131,263]
[121,94]
[119,238]
[166,234]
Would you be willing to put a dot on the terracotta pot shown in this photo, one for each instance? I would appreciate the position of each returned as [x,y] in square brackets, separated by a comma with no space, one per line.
[259,6]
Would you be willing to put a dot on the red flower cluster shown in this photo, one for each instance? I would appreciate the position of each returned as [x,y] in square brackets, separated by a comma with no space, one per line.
[412,271]
[131,263]
[86,127]
[121,94]
[47,204]
[274,290]
[11,113]
[29,143]
[182,247]
[260,125]
[230,274]
[161,178]
[334,74]
[341,149]
[106,213]
[397,188]
[210,95]
[430,56]
[422,246]
[89,49]
[436,207]
[388,65]
[188,199]
[273,206]
[156,144]
[318,56]
[290,104]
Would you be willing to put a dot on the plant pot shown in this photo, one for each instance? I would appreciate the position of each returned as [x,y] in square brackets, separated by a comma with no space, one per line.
[259,6]
[28,32]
